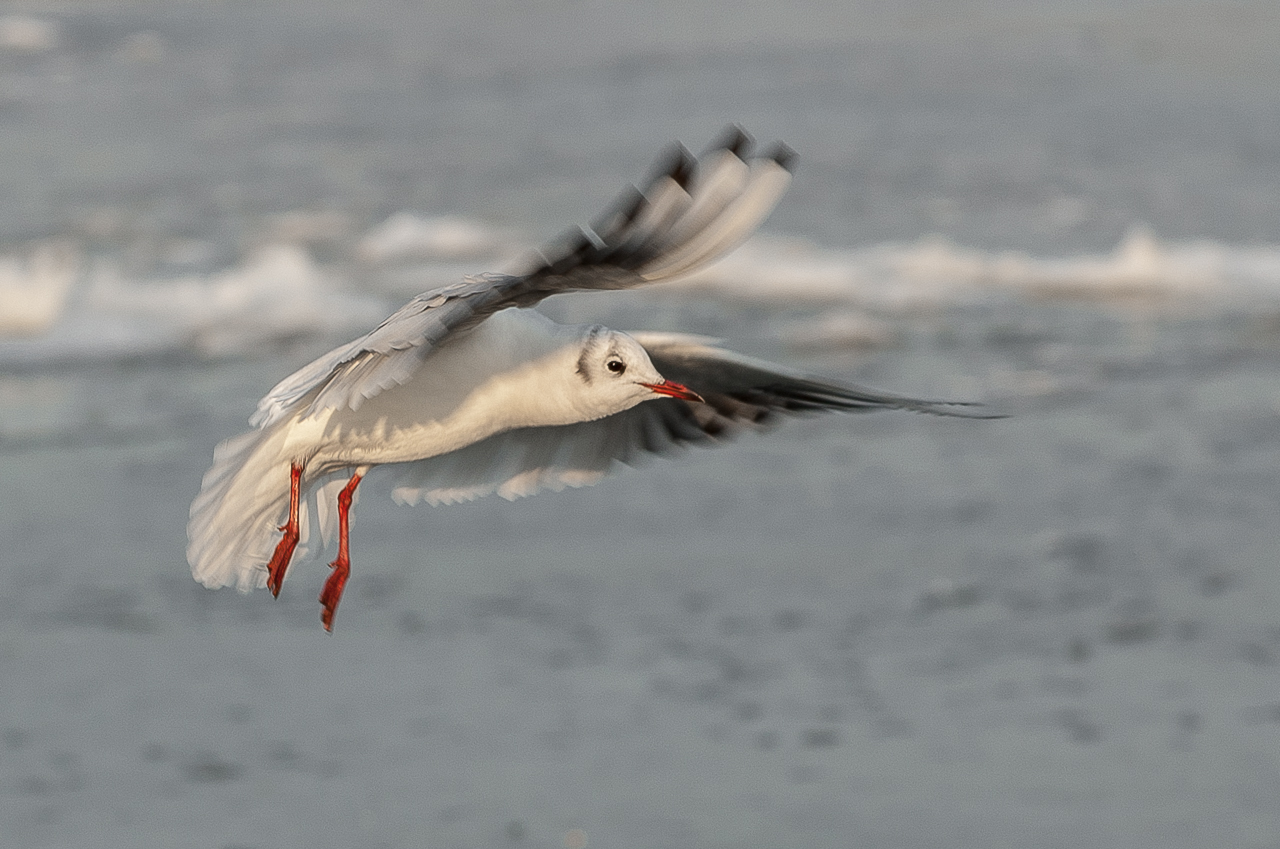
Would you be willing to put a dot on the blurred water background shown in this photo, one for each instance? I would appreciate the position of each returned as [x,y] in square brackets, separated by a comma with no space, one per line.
[1056,630]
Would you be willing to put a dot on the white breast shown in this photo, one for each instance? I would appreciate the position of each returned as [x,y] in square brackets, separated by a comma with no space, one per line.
[477,384]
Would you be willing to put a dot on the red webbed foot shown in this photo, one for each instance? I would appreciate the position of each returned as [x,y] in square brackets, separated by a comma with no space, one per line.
[332,592]
[280,560]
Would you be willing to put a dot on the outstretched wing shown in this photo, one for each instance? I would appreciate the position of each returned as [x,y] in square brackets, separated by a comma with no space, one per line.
[740,393]
[690,213]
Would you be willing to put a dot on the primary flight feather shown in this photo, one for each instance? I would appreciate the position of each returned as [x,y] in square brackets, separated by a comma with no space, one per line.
[469,392]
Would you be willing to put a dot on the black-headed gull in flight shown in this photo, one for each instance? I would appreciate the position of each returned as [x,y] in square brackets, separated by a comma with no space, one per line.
[468,392]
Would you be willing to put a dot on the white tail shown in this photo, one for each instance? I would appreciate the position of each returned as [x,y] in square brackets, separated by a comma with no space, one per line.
[235,520]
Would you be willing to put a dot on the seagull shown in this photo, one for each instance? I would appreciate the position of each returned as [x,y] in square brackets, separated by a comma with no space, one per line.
[466,391]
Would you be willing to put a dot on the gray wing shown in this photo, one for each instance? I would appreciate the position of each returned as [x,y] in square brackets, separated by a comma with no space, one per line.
[741,393]
[690,213]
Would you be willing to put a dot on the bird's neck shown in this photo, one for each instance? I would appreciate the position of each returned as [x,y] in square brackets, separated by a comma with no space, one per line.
[537,392]
[514,370]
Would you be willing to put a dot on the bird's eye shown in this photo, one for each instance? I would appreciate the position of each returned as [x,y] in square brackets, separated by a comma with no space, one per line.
[616,366]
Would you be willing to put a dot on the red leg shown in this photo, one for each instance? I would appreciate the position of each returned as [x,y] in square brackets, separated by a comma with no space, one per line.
[332,592]
[284,549]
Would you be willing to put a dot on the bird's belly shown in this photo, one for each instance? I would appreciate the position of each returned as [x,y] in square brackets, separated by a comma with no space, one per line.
[478,385]
[433,414]
[387,442]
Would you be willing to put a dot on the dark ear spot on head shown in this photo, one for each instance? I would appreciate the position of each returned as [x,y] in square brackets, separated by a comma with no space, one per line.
[590,342]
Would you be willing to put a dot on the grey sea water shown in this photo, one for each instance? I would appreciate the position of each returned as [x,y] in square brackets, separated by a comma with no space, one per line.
[1060,629]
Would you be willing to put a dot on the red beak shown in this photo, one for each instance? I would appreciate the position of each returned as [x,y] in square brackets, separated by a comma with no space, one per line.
[673,389]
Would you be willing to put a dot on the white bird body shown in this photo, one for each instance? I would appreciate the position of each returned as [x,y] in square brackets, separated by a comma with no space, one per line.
[514,370]
[517,369]
[469,393]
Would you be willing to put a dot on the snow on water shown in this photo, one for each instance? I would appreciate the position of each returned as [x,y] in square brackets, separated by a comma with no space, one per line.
[53,309]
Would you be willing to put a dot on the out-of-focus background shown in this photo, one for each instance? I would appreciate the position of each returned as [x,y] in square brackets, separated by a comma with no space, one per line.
[1061,629]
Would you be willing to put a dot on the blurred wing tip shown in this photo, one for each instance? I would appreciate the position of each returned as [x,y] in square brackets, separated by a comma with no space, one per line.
[677,164]
[589,237]
[961,410]
[564,253]
[783,154]
[739,142]
[733,139]
[616,220]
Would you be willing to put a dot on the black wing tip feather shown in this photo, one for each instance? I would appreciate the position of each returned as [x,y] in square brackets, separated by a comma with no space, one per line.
[972,410]
[675,163]
[733,139]
[813,396]
[620,215]
[784,155]
[605,240]
[948,409]
[565,252]
[680,165]
[739,142]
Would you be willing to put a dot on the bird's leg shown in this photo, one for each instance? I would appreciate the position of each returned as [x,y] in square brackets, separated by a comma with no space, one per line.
[284,549]
[332,592]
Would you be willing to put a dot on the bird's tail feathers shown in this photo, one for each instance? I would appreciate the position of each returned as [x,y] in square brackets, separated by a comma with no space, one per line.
[235,520]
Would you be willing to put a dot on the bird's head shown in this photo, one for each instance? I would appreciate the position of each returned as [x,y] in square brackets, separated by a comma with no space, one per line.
[616,372]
